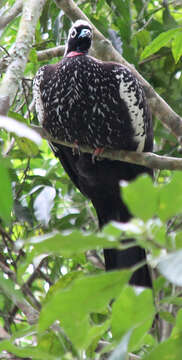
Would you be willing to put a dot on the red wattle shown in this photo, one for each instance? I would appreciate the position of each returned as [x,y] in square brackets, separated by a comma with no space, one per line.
[74,53]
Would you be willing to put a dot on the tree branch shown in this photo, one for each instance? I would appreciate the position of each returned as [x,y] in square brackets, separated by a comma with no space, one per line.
[11,14]
[147,159]
[50,53]
[19,53]
[106,51]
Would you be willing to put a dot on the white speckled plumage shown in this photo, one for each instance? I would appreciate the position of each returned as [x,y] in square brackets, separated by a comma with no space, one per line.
[92,102]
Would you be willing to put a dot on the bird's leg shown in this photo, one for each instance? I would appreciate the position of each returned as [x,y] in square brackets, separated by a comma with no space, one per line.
[76,149]
[98,151]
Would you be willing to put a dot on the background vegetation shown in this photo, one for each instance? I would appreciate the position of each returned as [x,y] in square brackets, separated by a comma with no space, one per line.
[55,298]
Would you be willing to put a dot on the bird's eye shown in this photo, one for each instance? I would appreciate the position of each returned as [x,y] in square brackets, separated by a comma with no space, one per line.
[73,34]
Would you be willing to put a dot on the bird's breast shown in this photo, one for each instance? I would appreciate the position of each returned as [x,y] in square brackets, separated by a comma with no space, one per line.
[94,107]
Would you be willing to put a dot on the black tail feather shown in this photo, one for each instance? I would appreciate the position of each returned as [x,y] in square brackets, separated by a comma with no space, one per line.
[123,259]
[116,210]
[100,183]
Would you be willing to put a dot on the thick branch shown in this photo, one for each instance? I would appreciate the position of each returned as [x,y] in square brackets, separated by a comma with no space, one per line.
[147,159]
[19,53]
[105,51]
[50,53]
[11,14]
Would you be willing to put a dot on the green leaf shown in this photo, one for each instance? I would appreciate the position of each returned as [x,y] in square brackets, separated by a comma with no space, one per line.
[177,46]
[178,321]
[17,116]
[132,311]
[141,197]
[6,198]
[143,37]
[69,244]
[26,352]
[170,197]
[160,41]
[33,56]
[170,349]
[171,267]
[50,342]
[168,19]
[7,286]
[27,146]
[73,305]
[167,316]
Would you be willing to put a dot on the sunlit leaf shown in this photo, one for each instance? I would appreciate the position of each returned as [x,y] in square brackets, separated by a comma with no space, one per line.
[132,311]
[27,146]
[160,41]
[26,352]
[141,197]
[69,243]
[177,47]
[167,350]
[73,304]
[170,197]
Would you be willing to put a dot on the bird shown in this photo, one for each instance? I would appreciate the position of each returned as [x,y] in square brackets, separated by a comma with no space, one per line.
[85,101]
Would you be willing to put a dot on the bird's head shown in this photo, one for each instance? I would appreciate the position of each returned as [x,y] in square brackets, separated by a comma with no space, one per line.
[79,37]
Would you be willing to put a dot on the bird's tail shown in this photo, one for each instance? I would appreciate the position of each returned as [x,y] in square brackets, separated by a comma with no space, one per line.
[109,206]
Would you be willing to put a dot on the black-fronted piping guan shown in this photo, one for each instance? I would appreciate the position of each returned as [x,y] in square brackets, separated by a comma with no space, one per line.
[85,101]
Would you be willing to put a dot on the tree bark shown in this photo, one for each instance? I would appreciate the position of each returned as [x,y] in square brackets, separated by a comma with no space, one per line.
[32,10]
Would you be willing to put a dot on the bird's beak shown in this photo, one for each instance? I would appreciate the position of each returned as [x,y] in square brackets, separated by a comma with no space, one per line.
[85,33]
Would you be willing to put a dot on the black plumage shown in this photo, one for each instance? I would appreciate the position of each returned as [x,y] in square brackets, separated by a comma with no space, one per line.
[85,101]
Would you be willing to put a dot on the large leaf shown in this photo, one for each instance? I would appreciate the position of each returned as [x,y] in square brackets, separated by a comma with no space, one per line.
[170,349]
[73,305]
[160,41]
[26,352]
[69,243]
[132,311]
[141,197]
[170,197]
[177,47]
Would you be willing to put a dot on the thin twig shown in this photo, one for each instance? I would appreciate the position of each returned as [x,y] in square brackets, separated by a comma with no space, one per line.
[6,51]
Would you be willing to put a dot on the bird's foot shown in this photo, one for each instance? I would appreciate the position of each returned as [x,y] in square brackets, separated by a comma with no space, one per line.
[97,152]
[76,149]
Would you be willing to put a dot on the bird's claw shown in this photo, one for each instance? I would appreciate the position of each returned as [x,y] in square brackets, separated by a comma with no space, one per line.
[76,149]
[97,152]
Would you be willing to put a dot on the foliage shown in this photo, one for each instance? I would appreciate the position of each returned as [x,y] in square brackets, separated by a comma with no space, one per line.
[48,229]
